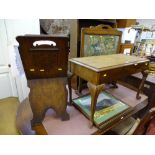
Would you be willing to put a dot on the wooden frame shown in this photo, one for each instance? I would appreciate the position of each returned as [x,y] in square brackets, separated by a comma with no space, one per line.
[126,46]
[103,30]
[100,30]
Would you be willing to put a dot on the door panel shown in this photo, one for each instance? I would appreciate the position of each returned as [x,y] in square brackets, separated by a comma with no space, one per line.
[7,82]
[5,86]
[13,83]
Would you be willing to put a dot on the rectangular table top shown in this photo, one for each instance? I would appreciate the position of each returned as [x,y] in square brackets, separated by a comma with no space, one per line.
[104,62]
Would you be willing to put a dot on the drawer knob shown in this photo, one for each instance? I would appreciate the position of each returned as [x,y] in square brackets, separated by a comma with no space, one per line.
[32,70]
[59,69]
[42,70]
[135,64]
[105,75]
[122,117]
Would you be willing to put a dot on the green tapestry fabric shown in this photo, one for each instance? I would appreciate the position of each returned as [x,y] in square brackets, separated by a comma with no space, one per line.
[100,45]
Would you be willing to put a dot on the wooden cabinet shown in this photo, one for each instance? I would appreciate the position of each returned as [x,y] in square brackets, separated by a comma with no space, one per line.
[44,56]
[122,23]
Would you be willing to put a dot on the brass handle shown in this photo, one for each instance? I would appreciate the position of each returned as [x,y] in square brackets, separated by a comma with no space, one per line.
[59,69]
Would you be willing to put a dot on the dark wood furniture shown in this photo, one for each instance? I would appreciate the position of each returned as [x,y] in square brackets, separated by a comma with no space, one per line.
[45,61]
[107,68]
[137,126]
[99,40]
[144,123]
[44,56]
[133,82]
[78,123]
[122,23]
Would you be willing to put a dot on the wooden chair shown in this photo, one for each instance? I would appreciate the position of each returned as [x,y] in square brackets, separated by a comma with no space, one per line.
[137,126]
[99,40]
[45,61]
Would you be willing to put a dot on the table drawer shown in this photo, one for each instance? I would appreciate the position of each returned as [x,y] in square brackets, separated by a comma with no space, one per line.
[118,73]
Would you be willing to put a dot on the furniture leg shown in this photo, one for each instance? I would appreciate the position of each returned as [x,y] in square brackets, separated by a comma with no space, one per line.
[114,83]
[145,74]
[45,94]
[94,92]
[80,86]
[70,75]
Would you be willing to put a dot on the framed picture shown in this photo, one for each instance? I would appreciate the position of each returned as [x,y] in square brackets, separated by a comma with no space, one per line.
[107,107]
[100,40]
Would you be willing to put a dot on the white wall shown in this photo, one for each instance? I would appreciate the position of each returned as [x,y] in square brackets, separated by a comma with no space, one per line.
[15,27]
[128,35]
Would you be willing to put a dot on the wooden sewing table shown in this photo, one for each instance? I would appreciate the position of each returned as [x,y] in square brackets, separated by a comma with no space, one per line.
[98,70]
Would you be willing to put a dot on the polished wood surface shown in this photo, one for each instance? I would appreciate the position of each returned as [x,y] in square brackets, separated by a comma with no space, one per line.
[78,123]
[106,69]
[106,62]
[45,94]
[46,59]
[45,62]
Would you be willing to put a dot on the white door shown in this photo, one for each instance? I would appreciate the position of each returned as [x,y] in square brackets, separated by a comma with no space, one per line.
[7,82]
[13,81]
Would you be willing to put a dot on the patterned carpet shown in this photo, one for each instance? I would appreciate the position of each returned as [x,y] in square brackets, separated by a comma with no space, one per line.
[8,109]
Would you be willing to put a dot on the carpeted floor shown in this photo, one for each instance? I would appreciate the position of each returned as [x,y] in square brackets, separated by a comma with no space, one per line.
[8,110]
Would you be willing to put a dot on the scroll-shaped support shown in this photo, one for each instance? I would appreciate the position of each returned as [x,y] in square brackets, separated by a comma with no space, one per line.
[45,94]
[94,92]
[145,74]
[69,77]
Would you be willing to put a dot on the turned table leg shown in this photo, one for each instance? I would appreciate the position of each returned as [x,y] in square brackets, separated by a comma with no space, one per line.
[145,74]
[94,92]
